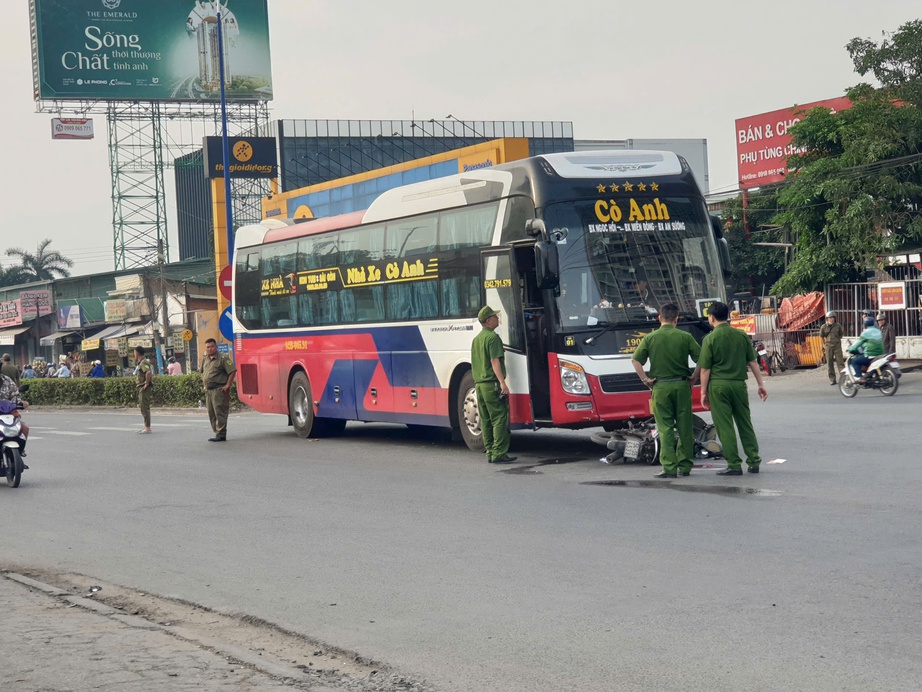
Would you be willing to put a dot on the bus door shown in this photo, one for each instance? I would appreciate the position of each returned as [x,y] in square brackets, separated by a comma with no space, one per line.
[502,290]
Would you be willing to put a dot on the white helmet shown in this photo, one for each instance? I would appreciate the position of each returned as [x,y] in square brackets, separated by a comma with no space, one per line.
[831,313]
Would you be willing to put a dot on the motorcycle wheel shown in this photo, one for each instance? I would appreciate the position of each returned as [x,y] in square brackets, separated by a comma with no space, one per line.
[13,467]
[848,388]
[888,382]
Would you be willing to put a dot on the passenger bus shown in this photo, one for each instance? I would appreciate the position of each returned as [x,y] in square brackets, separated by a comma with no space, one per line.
[369,316]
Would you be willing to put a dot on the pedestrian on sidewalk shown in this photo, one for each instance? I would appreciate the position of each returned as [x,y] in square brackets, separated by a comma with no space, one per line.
[888,336]
[725,355]
[145,387]
[833,332]
[218,375]
[668,349]
[7,368]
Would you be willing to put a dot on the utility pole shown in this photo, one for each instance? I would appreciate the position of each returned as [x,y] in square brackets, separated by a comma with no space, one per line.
[164,317]
[149,294]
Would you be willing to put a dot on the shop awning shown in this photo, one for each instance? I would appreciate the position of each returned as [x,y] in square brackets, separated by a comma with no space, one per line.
[8,336]
[116,331]
[51,338]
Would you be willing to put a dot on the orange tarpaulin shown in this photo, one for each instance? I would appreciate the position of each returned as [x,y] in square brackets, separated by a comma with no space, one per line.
[799,311]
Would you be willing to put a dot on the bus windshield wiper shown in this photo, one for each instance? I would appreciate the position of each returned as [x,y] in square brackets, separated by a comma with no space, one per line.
[606,327]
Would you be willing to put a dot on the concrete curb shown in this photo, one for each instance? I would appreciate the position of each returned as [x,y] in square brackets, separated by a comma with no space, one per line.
[275,670]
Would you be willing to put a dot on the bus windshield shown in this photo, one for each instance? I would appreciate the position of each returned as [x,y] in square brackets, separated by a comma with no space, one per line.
[623,259]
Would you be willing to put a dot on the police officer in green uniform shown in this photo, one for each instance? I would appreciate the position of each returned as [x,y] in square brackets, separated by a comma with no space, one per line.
[725,354]
[145,387]
[669,349]
[832,332]
[218,375]
[488,366]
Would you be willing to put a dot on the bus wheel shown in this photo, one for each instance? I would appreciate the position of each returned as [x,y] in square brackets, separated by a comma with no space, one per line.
[468,415]
[300,405]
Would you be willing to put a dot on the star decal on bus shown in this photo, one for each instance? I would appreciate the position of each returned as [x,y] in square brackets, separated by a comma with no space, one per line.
[641,187]
[654,187]
[628,187]
[614,188]
[601,189]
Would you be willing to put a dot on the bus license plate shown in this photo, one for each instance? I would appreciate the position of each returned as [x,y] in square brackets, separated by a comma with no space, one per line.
[632,449]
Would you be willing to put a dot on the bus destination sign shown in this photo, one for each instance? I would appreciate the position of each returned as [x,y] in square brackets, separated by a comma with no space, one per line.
[335,278]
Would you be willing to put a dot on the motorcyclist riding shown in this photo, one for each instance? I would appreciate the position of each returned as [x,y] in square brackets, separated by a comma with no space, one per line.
[869,346]
[9,400]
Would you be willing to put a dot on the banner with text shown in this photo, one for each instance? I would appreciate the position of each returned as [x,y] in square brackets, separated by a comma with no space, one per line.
[152,50]
[763,144]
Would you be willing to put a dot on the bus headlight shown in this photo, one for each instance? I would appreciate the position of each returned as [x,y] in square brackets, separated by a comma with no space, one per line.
[573,378]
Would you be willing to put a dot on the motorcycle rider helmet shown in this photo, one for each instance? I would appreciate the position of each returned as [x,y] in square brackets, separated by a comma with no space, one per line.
[831,313]
[869,321]
[881,316]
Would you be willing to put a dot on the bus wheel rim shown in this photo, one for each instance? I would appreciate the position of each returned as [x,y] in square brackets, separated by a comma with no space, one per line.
[300,406]
[471,413]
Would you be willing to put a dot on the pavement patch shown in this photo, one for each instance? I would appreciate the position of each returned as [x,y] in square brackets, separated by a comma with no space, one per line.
[684,487]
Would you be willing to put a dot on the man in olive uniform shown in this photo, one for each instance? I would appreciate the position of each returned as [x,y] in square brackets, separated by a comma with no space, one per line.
[725,354]
[669,349]
[488,366]
[145,384]
[218,375]
[833,332]
[7,368]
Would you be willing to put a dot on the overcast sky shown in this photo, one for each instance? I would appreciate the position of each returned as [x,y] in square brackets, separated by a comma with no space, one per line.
[617,70]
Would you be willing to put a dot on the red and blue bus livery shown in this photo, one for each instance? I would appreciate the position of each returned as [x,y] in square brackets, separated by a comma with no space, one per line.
[369,316]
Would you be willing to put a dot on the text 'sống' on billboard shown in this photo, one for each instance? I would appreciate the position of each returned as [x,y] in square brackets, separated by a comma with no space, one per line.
[152,50]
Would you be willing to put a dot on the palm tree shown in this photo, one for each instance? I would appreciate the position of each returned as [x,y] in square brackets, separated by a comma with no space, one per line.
[44,264]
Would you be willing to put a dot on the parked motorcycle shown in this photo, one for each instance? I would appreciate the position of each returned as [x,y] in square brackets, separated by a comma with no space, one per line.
[638,441]
[12,443]
[882,375]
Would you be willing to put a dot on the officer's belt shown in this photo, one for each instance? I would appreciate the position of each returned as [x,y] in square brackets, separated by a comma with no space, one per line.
[671,379]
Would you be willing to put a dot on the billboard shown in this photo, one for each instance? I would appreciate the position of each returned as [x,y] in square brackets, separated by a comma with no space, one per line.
[250,157]
[150,50]
[763,144]
[72,128]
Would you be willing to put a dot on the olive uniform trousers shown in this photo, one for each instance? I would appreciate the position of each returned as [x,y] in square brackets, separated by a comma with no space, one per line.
[494,419]
[835,361]
[729,401]
[218,403]
[672,409]
[144,396]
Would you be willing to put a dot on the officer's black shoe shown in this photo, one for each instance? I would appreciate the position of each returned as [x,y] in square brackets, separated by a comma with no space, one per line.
[663,474]
[753,469]
[503,460]
[216,438]
[684,473]
[833,384]
[730,472]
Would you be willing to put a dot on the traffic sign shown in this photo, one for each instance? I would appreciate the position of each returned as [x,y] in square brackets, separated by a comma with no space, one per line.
[226,324]
[187,335]
[225,282]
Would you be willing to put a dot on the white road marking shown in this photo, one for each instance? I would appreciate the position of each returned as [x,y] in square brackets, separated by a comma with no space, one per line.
[116,429]
[66,432]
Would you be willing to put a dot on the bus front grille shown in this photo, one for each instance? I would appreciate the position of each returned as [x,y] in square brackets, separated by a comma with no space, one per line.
[619,384]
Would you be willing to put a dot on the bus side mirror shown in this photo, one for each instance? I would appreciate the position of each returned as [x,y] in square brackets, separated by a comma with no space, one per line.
[547,264]
[723,249]
[535,228]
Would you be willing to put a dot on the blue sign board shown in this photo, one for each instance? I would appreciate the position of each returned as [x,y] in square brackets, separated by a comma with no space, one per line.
[224,348]
[226,324]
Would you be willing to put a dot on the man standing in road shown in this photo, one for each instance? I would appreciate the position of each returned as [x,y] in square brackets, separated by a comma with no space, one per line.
[725,354]
[7,368]
[218,375]
[669,349]
[488,366]
[833,332]
[145,387]
[888,336]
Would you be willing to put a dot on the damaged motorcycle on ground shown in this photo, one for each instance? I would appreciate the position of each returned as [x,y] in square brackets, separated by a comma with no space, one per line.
[639,442]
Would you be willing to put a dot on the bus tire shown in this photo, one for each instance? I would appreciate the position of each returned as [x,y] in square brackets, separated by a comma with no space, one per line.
[300,405]
[468,416]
